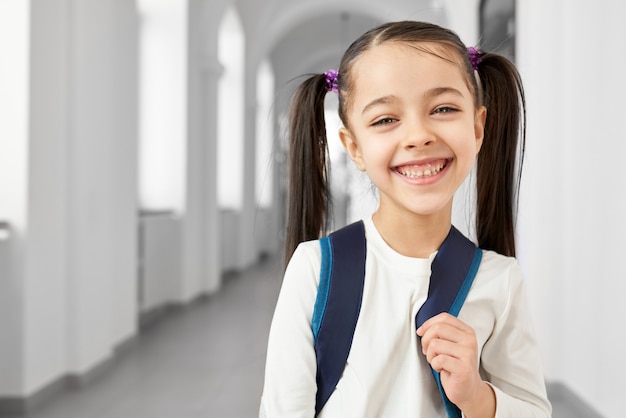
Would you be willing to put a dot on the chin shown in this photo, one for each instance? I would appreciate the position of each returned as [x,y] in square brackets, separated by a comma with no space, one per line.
[432,209]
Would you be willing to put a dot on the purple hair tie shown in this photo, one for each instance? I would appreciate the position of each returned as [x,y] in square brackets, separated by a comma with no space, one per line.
[474,57]
[331,81]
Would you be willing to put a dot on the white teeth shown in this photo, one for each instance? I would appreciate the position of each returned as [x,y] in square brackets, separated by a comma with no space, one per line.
[418,174]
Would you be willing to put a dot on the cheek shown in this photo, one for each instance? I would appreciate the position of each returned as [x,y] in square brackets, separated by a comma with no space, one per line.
[377,155]
[465,140]
[464,147]
[467,153]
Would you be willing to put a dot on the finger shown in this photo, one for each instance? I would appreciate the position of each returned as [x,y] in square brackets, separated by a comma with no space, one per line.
[446,364]
[438,347]
[442,318]
[461,351]
[439,334]
[454,372]
[448,332]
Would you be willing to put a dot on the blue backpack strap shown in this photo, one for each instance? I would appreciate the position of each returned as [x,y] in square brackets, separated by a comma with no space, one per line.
[452,274]
[339,296]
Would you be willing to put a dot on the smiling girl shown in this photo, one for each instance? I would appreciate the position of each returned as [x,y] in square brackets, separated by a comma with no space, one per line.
[418,113]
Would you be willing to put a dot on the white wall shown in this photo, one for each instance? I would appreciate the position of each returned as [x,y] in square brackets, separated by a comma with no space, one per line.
[463,18]
[101,238]
[123,28]
[77,253]
[11,320]
[574,197]
[45,267]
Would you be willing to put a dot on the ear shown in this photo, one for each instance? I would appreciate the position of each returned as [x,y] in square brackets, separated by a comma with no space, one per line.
[479,126]
[352,147]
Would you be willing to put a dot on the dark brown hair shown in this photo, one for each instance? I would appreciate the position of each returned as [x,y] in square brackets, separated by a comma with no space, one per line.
[499,163]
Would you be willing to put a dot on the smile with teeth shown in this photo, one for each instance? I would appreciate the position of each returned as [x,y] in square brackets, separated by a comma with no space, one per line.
[422,170]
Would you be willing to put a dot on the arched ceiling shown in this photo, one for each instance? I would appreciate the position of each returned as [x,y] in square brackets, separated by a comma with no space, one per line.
[317,44]
[269,22]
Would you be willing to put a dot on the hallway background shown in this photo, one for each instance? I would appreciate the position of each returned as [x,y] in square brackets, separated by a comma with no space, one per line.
[142,159]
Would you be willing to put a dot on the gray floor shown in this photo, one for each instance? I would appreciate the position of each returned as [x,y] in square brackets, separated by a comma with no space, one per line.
[202,361]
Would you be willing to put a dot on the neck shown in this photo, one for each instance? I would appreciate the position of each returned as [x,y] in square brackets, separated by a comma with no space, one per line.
[414,235]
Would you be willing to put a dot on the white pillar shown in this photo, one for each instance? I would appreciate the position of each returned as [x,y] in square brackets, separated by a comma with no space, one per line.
[45,267]
[123,28]
[248,252]
[201,229]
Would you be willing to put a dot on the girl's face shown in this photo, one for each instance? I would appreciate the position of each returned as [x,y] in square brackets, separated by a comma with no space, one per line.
[413,127]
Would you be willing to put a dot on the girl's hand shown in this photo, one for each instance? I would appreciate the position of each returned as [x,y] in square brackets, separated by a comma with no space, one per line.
[451,349]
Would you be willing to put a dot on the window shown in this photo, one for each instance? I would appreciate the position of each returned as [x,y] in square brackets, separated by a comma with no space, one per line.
[14,91]
[162,104]
[230,117]
[264,135]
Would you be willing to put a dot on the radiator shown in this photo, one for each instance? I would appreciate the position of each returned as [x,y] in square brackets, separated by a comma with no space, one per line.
[160,260]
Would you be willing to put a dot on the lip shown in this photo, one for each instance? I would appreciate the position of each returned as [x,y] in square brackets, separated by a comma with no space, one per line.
[423,172]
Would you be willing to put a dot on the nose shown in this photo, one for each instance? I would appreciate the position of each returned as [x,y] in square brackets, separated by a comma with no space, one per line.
[418,134]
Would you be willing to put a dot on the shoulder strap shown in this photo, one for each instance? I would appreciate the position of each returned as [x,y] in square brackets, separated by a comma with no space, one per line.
[339,298]
[452,274]
[340,292]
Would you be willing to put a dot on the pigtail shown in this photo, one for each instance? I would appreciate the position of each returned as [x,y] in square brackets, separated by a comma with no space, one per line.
[499,165]
[308,197]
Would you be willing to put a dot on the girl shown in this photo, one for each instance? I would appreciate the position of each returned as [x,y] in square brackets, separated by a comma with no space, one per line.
[418,110]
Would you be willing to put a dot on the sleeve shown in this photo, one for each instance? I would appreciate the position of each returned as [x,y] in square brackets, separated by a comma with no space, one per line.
[290,386]
[511,359]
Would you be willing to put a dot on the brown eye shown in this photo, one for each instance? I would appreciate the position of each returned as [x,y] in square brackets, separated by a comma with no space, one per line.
[445,109]
[383,122]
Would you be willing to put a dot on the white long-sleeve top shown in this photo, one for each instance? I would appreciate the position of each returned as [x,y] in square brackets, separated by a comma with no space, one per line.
[386,374]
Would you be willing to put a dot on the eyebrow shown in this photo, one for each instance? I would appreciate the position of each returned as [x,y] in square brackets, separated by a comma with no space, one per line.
[439,91]
[379,101]
[434,92]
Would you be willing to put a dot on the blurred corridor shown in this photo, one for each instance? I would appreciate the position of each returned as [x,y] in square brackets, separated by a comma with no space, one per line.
[204,360]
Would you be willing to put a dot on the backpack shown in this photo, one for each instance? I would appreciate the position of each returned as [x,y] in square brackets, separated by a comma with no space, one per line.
[340,291]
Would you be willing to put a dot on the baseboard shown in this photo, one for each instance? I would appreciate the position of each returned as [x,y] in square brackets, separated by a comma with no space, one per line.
[23,405]
[11,405]
[153,316]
